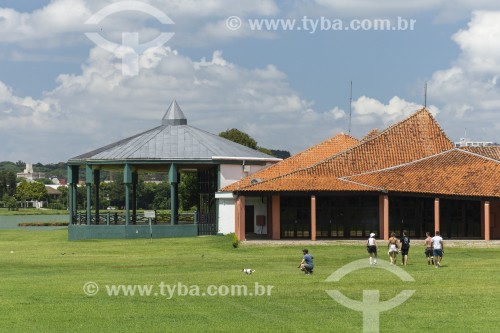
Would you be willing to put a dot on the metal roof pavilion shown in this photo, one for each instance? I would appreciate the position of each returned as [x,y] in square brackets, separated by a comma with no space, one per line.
[171,147]
[173,140]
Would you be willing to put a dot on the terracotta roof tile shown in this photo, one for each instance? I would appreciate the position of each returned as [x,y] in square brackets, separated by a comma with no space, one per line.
[413,138]
[373,133]
[488,151]
[308,157]
[308,184]
[454,172]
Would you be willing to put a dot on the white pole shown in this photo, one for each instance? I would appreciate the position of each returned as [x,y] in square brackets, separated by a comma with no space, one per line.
[150,229]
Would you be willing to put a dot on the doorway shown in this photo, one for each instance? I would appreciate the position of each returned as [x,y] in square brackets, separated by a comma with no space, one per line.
[249,220]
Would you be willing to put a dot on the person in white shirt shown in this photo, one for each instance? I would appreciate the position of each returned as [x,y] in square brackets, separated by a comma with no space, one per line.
[371,246]
[438,247]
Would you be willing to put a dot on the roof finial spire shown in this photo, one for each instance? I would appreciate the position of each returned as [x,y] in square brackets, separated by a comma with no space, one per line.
[174,115]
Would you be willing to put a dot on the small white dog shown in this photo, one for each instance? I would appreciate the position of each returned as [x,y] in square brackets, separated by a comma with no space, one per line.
[248,270]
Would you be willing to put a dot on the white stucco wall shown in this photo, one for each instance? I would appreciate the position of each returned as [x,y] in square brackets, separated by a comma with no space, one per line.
[230,173]
[227,213]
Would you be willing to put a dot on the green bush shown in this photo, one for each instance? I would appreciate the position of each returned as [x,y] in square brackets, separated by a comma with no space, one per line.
[234,240]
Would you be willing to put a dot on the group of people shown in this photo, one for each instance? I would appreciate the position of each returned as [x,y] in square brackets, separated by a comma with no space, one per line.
[433,251]
[433,248]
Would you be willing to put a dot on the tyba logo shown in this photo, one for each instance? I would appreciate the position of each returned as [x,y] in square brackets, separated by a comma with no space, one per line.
[130,46]
[370,306]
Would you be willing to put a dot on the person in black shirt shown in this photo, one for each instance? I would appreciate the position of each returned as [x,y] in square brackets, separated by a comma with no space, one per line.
[405,248]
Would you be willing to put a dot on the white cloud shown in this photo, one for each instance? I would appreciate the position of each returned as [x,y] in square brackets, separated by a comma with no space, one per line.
[381,6]
[479,43]
[100,105]
[444,10]
[63,22]
[469,90]
[368,113]
[45,24]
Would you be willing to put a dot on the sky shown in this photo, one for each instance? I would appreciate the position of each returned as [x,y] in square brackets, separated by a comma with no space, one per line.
[76,75]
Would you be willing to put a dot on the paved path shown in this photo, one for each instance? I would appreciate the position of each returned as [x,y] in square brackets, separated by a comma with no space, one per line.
[416,243]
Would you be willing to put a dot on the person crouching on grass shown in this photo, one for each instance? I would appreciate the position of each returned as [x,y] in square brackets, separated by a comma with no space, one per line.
[371,246]
[306,265]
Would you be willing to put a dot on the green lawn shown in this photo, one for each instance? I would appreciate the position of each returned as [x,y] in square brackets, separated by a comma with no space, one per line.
[42,284]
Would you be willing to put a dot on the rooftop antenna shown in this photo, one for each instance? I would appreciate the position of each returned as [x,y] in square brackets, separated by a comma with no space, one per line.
[425,95]
[350,109]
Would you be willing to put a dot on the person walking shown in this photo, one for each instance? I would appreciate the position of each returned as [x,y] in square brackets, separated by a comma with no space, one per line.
[438,248]
[405,248]
[372,248]
[392,247]
[429,253]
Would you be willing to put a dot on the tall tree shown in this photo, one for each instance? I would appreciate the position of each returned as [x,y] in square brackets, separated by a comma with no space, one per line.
[7,183]
[31,191]
[240,137]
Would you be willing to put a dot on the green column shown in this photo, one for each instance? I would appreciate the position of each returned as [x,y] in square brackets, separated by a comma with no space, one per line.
[71,189]
[173,179]
[127,180]
[88,184]
[135,180]
[97,182]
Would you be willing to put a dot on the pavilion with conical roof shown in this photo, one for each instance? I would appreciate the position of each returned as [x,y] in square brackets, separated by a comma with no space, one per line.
[171,147]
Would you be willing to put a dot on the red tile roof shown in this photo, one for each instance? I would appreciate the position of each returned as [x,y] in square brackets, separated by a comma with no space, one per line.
[413,138]
[454,172]
[488,151]
[308,157]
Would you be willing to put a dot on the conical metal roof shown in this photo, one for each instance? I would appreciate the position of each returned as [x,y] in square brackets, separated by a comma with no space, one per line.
[174,140]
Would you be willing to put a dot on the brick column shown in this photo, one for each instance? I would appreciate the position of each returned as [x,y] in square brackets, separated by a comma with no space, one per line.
[383,203]
[436,215]
[485,205]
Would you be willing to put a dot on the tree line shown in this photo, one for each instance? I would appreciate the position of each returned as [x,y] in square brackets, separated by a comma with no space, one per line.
[153,190]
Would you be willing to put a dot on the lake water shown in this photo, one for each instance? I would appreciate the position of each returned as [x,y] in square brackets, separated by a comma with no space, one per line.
[11,222]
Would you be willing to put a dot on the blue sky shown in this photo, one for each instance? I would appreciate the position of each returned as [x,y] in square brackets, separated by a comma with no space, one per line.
[62,94]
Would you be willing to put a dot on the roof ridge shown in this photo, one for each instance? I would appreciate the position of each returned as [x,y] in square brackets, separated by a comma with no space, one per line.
[302,168]
[150,137]
[361,184]
[116,143]
[398,166]
[419,160]
[361,143]
[476,154]
[219,138]
[294,157]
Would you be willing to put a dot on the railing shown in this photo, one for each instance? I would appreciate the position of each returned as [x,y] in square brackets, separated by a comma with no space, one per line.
[119,218]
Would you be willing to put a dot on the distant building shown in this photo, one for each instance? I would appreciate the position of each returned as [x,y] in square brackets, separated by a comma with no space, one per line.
[464,142]
[29,174]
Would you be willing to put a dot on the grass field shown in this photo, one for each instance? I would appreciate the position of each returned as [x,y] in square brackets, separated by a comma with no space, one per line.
[43,276]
